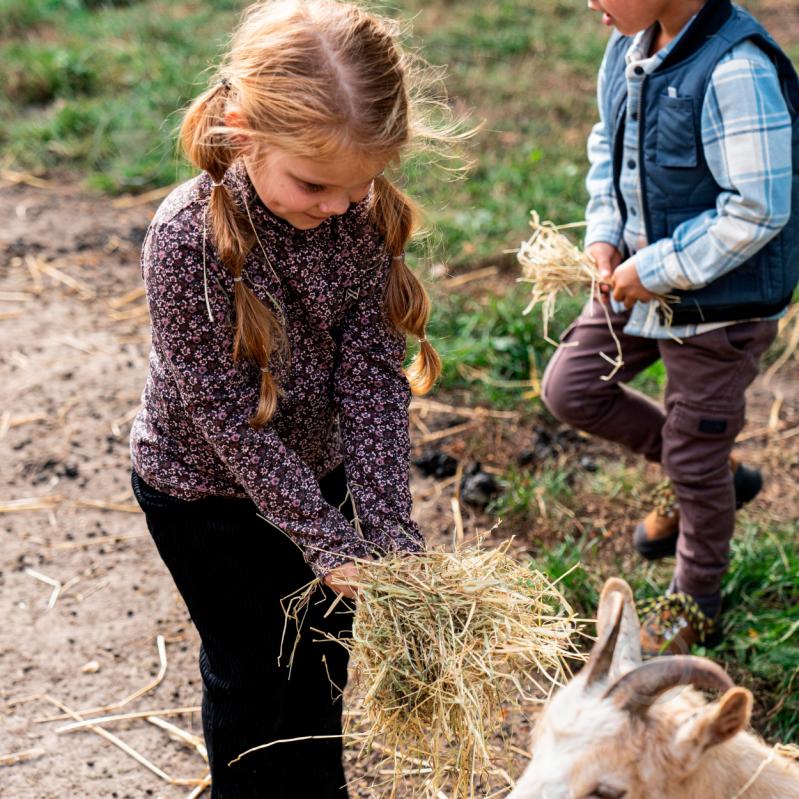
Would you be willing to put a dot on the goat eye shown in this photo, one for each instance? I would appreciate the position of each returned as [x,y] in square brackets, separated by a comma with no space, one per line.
[604,792]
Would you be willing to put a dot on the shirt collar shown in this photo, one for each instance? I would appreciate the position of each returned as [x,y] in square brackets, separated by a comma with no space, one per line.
[639,49]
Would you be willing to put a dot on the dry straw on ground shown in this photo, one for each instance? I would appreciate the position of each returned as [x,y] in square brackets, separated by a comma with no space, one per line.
[442,643]
[554,265]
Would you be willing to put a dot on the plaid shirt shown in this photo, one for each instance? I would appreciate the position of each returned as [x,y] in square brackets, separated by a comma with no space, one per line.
[746,136]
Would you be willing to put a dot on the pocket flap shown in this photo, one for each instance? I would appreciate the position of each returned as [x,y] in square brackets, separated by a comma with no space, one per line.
[676,133]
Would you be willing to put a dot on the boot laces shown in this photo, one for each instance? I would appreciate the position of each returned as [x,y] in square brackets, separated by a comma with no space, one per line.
[666,614]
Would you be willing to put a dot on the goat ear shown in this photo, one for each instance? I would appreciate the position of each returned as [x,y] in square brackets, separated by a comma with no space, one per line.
[608,625]
[627,654]
[713,725]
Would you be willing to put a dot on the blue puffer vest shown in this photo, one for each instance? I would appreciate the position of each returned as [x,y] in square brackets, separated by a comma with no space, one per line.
[677,183]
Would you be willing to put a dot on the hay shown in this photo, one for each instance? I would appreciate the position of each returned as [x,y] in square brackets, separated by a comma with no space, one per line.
[792,342]
[554,265]
[21,757]
[440,642]
[425,406]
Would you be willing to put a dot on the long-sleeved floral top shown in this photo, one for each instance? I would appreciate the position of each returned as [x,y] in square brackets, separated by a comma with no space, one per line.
[344,394]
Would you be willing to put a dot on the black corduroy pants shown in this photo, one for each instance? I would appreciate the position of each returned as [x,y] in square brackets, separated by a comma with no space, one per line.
[232,569]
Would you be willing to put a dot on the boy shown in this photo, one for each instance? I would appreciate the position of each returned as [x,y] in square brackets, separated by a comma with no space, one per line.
[694,186]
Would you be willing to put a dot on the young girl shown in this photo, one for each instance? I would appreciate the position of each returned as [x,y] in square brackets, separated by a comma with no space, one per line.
[275,412]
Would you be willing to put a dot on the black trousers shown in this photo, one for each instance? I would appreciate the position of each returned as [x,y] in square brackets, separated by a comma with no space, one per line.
[232,569]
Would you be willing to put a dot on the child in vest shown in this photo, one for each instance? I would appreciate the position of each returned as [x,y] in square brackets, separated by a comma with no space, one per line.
[275,410]
[694,190]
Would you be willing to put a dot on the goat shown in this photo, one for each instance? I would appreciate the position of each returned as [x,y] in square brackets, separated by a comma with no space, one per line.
[614,731]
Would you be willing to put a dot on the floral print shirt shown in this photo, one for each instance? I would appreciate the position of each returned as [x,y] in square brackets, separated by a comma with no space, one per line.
[344,393]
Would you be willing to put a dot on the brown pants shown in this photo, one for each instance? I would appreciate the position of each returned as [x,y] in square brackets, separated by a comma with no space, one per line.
[692,437]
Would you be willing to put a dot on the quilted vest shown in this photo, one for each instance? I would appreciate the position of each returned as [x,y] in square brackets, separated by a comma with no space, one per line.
[676,181]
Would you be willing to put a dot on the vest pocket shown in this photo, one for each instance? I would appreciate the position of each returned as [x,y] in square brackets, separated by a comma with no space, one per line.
[676,133]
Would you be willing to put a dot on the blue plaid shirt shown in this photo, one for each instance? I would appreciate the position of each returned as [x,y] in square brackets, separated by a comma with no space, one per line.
[746,135]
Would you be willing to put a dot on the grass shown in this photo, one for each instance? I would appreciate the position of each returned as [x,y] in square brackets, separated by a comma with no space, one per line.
[762,631]
[527,497]
[94,87]
[487,346]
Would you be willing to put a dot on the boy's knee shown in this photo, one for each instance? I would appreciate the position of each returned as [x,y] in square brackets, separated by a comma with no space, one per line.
[563,398]
[553,397]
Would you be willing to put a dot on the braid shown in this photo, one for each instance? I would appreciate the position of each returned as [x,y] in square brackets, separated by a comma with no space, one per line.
[259,334]
[407,302]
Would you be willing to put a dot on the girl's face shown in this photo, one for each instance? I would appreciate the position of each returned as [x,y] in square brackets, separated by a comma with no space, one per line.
[305,191]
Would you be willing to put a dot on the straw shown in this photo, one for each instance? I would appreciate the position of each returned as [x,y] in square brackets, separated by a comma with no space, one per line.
[554,266]
[441,641]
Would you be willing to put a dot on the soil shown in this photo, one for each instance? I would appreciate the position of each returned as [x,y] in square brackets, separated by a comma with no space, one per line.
[74,356]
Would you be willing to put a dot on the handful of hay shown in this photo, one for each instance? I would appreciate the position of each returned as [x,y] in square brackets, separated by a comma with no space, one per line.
[553,264]
[440,641]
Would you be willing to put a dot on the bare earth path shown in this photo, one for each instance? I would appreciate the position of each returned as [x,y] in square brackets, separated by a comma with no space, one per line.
[73,356]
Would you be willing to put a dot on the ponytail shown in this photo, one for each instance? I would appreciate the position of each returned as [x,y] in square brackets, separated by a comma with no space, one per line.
[259,332]
[407,302]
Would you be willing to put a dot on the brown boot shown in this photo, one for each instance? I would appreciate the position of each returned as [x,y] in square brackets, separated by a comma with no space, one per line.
[672,624]
[656,536]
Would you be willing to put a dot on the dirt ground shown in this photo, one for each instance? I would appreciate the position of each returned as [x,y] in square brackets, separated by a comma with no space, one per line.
[72,365]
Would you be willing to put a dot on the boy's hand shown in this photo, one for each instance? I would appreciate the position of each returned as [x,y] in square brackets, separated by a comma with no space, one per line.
[607,258]
[627,286]
[340,579]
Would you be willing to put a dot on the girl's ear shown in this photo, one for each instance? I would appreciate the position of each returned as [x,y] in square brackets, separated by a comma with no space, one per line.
[234,119]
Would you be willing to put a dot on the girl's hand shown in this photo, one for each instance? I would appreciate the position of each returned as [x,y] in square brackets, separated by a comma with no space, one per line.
[607,258]
[627,286]
[339,579]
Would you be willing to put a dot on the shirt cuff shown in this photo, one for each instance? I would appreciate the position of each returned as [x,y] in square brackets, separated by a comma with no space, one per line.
[650,264]
[605,230]
[322,562]
[400,539]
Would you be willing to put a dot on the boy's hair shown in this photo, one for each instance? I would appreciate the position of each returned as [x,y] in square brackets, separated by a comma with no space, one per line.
[313,78]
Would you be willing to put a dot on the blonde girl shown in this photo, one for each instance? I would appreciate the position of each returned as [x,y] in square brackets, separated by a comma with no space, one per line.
[272,445]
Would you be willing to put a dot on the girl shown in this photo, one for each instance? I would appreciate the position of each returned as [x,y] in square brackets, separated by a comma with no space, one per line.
[272,445]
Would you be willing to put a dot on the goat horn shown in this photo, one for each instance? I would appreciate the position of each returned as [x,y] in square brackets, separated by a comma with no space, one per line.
[601,657]
[639,689]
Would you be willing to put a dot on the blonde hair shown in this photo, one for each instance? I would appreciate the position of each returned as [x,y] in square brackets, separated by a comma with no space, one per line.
[315,78]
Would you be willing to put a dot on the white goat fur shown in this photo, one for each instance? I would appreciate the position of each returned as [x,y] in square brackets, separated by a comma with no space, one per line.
[588,745]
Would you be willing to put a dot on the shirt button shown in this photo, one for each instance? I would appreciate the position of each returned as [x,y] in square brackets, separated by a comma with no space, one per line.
[631,164]
[633,212]
[634,116]
[639,70]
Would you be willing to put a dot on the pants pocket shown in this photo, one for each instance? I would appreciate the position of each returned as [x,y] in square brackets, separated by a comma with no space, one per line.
[707,423]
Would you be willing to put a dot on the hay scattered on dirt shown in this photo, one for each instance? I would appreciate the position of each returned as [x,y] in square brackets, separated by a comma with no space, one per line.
[441,641]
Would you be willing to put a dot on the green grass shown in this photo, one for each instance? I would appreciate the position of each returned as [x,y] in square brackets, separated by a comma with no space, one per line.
[95,87]
[761,593]
[761,625]
[527,497]
[489,347]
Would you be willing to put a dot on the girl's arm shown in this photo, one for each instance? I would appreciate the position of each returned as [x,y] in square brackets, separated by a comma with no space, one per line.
[220,395]
[373,396]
